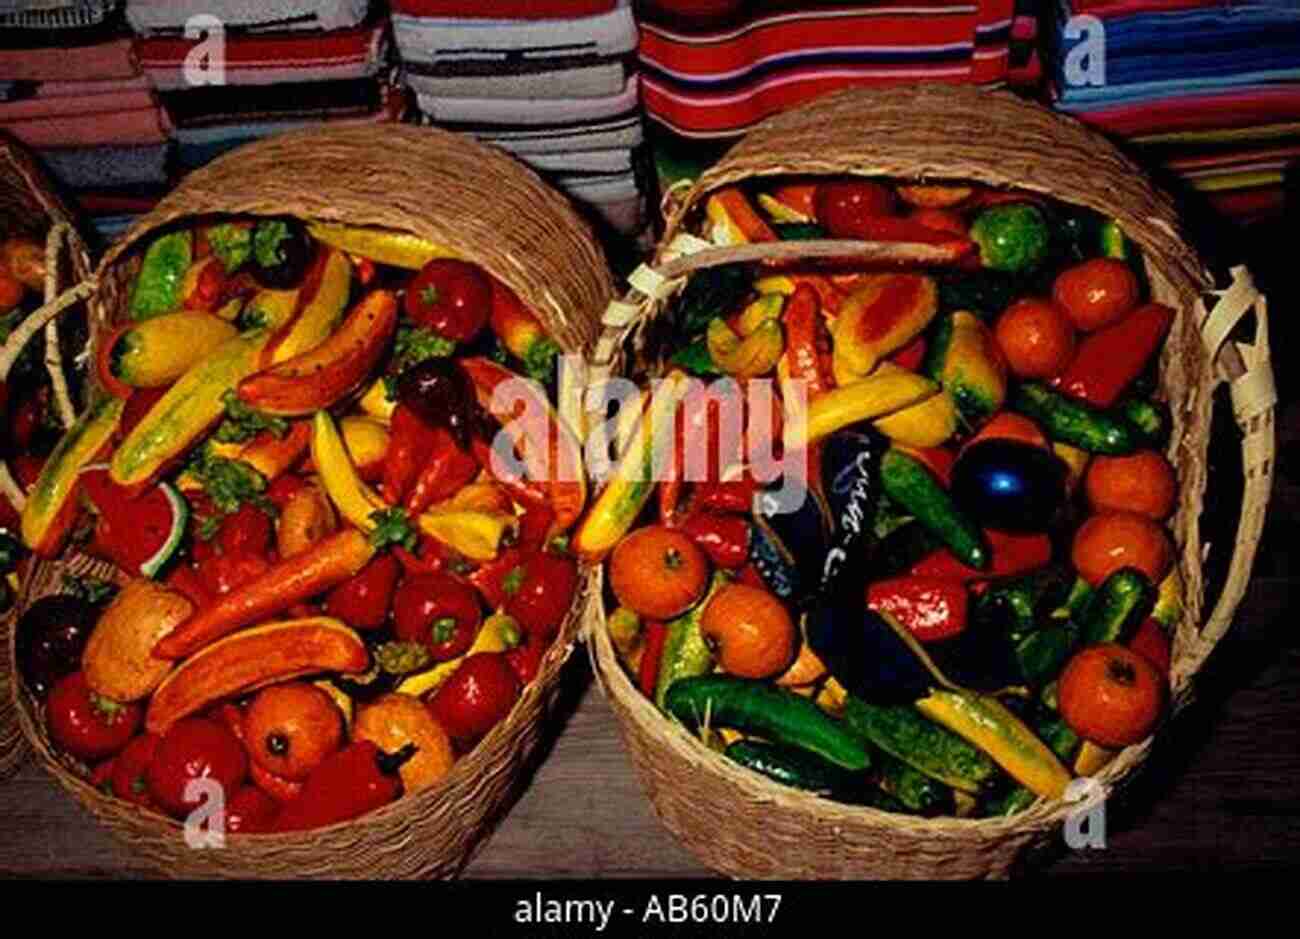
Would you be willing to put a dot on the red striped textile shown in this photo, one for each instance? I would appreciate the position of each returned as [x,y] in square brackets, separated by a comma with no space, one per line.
[504,9]
[721,80]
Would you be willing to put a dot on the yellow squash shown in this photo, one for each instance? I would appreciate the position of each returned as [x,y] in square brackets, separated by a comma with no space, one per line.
[157,351]
[400,249]
[312,324]
[866,399]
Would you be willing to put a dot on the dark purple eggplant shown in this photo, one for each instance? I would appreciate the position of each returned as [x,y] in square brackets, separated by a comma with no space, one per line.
[790,538]
[1009,485]
[850,485]
[865,653]
[51,636]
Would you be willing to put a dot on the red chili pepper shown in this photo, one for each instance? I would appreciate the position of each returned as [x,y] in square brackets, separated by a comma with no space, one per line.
[1111,358]
[724,538]
[523,490]
[431,558]
[349,783]
[365,269]
[1012,554]
[804,340]
[656,634]
[490,576]
[893,228]
[931,608]
[911,355]
[535,526]
[734,495]
[410,438]
[447,469]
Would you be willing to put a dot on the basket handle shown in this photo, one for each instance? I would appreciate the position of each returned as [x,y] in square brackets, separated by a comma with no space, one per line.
[1247,369]
[44,318]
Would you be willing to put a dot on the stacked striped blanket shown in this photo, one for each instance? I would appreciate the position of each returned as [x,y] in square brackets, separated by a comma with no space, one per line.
[719,79]
[1208,91]
[71,91]
[551,81]
[233,71]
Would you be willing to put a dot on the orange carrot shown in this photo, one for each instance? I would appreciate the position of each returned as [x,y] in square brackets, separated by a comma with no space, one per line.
[284,583]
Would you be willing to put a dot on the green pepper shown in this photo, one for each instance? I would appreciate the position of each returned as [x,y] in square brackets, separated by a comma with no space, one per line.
[686,654]
[1043,653]
[1021,604]
[157,287]
[1013,237]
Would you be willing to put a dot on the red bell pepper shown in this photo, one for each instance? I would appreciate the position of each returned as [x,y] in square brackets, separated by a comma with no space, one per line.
[911,355]
[446,470]
[734,495]
[656,634]
[349,783]
[724,538]
[410,438]
[1110,359]
[1012,554]
[489,578]
[931,608]
[431,558]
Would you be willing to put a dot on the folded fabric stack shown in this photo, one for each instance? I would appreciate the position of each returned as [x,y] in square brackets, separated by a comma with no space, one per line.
[1025,71]
[74,94]
[283,65]
[1207,91]
[721,77]
[549,80]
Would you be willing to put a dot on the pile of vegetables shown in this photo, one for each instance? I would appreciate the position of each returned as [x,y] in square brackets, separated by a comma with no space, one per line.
[974,603]
[330,591]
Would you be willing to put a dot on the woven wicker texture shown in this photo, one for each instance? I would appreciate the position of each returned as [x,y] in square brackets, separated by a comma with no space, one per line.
[492,211]
[29,206]
[736,821]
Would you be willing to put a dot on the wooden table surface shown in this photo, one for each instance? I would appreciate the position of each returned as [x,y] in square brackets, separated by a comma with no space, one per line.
[1221,793]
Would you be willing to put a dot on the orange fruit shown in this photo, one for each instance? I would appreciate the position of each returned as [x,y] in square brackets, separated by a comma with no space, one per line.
[1009,426]
[1142,482]
[289,729]
[1111,695]
[1096,293]
[1036,338]
[751,631]
[394,720]
[658,573]
[1109,541]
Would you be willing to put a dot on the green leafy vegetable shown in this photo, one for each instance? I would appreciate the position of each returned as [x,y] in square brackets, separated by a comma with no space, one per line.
[415,344]
[230,484]
[696,359]
[392,527]
[539,362]
[268,236]
[232,243]
[251,319]
[244,423]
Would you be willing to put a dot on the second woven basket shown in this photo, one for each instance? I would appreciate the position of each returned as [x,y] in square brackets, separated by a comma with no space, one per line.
[735,820]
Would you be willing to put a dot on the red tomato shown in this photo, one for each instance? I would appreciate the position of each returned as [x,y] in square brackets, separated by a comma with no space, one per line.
[453,298]
[362,601]
[439,611]
[222,573]
[526,660]
[277,787]
[85,724]
[195,748]
[842,204]
[539,591]
[478,695]
[248,531]
[250,810]
[131,767]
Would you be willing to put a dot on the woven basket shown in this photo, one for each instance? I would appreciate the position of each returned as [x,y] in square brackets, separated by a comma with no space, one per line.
[28,205]
[492,211]
[735,820]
